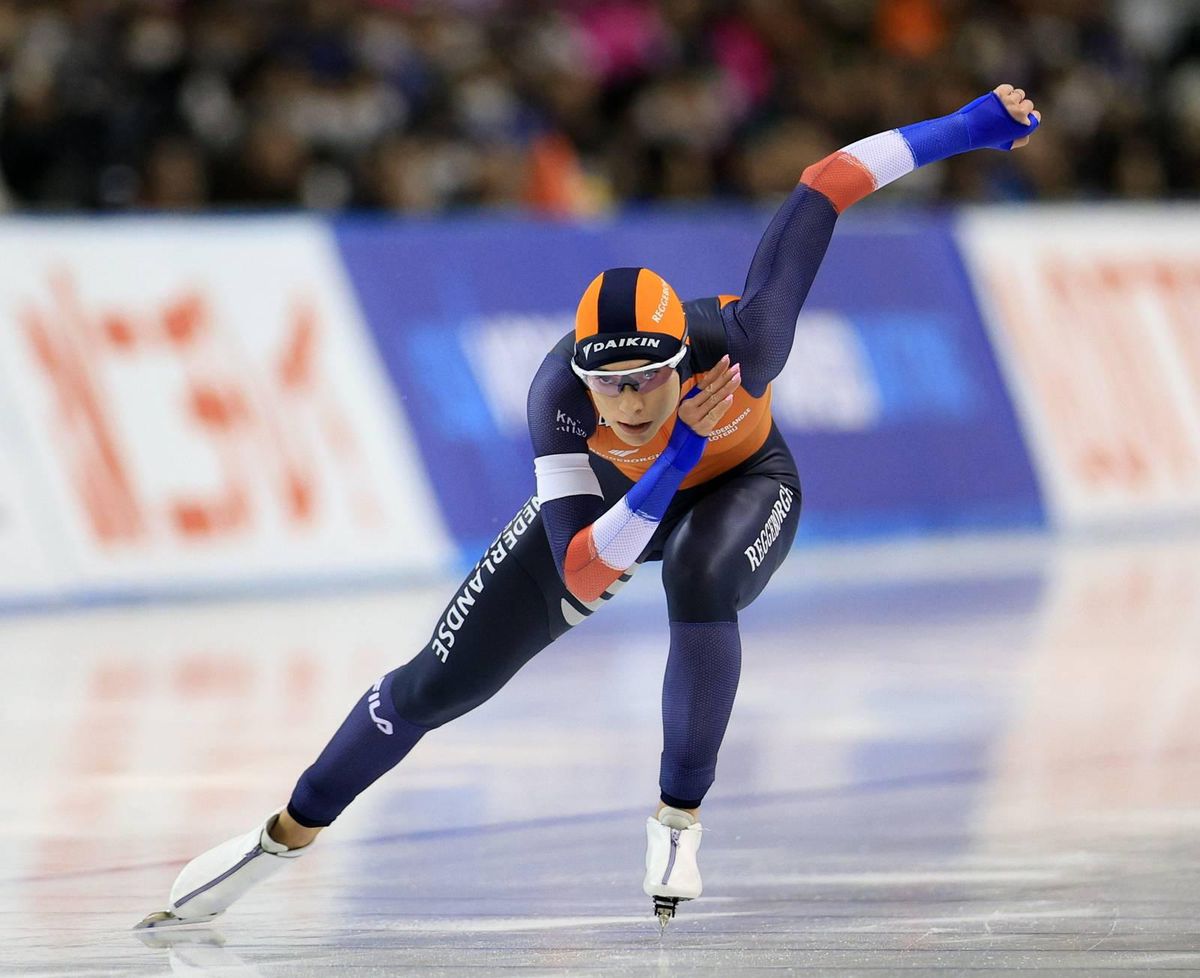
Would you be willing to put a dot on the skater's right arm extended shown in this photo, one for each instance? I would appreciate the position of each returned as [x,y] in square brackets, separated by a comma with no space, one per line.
[760,324]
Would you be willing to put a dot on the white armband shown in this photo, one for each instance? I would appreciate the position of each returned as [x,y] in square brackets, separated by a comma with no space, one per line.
[565,475]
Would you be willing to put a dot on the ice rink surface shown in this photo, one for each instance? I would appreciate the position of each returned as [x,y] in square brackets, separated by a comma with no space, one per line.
[980,757]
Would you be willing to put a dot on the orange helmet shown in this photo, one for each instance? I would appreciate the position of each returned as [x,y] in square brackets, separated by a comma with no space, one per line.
[628,314]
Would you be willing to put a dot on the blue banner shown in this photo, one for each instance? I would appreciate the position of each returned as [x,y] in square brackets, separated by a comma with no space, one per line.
[892,400]
[938,445]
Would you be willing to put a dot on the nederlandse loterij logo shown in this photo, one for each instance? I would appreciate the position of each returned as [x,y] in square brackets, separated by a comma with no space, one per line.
[590,348]
[384,725]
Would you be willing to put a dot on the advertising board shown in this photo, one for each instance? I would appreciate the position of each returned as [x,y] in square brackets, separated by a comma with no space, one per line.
[891,399]
[1094,315]
[199,405]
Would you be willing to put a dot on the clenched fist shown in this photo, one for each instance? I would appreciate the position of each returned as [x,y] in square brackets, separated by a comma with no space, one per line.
[1019,107]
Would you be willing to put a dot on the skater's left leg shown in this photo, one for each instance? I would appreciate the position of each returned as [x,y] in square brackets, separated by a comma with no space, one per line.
[715,563]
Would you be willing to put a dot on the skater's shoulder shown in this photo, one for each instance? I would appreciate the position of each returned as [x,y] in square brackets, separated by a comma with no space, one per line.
[564,349]
[706,330]
[555,369]
[558,403]
[555,373]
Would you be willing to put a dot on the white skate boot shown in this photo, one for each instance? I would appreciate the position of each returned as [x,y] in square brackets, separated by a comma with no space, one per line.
[211,882]
[672,874]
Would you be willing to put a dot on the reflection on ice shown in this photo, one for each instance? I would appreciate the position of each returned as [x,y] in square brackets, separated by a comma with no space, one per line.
[198,952]
[1104,715]
[984,752]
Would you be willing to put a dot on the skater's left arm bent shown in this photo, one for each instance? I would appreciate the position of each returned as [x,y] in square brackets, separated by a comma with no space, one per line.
[561,419]
[600,553]
[594,544]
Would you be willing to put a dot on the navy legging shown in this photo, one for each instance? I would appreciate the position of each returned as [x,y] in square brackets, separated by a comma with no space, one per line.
[719,544]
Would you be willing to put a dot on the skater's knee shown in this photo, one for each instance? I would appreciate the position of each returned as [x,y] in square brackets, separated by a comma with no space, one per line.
[700,591]
[429,697]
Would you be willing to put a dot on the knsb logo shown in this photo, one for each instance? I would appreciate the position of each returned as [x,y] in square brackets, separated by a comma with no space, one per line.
[384,725]
[623,452]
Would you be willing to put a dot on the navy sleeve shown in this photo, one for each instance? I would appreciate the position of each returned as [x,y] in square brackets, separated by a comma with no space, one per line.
[561,419]
[760,326]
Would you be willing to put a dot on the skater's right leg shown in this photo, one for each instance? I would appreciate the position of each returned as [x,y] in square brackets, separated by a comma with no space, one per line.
[511,606]
[507,610]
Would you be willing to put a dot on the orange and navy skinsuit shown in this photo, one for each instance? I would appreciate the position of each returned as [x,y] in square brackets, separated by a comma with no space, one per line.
[585,471]
[594,539]
[727,523]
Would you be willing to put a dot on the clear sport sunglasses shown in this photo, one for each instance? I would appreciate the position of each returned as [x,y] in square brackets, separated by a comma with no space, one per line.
[641,379]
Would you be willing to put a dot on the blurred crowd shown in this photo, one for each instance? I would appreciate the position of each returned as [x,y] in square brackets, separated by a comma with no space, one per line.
[572,107]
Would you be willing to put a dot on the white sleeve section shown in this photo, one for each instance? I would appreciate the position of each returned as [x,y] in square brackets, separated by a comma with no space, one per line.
[565,475]
[620,535]
[887,155]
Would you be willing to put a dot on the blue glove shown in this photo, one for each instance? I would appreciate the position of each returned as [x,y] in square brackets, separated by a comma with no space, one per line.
[989,124]
[652,493]
[685,445]
[981,124]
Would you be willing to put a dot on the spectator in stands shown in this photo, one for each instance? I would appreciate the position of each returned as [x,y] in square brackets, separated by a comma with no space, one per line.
[567,107]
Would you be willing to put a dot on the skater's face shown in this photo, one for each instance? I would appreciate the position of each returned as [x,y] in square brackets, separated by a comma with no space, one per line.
[636,416]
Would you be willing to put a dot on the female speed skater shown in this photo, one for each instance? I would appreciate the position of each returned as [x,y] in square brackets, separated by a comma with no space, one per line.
[652,431]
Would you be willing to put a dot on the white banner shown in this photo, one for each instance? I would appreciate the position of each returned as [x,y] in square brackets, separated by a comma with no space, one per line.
[1094,313]
[25,566]
[201,405]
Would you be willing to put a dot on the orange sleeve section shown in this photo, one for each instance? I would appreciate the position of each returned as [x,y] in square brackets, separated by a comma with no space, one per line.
[841,178]
[586,575]
[726,299]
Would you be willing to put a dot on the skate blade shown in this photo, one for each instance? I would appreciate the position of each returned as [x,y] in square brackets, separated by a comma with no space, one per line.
[177,938]
[664,909]
[164,919]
